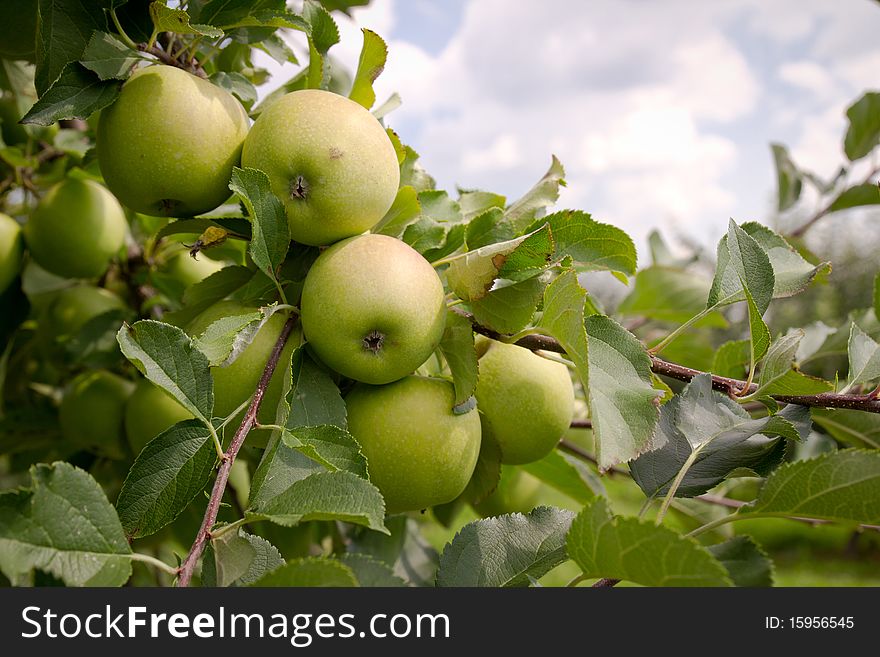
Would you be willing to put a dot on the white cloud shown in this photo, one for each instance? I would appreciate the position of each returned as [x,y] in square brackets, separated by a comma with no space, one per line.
[810,77]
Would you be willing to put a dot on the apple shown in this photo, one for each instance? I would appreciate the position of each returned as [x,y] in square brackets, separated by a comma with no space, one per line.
[373,308]
[168,143]
[236,382]
[517,492]
[76,229]
[72,307]
[181,271]
[148,412]
[92,408]
[329,160]
[11,250]
[419,452]
[526,402]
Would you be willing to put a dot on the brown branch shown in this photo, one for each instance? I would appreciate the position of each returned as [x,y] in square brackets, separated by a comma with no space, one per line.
[165,57]
[583,455]
[798,232]
[250,418]
[606,583]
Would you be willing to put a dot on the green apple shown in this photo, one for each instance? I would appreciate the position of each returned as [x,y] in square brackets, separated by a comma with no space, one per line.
[168,143]
[92,409]
[419,452]
[235,383]
[329,160]
[11,251]
[148,412]
[72,307]
[373,308]
[76,229]
[517,492]
[526,402]
[188,270]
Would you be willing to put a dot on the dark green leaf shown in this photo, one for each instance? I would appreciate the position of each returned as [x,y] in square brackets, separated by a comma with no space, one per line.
[669,295]
[789,180]
[458,349]
[568,475]
[863,133]
[854,428]
[332,447]
[309,571]
[371,572]
[166,19]
[108,57]
[510,308]
[271,236]
[76,94]
[745,562]
[866,194]
[236,84]
[64,29]
[240,559]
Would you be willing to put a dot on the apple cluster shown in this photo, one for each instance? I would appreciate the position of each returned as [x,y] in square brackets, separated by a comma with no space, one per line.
[372,309]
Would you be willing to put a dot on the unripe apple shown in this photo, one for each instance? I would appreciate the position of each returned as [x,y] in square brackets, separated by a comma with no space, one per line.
[148,412]
[11,250]
[236,382]
[92,410]
[373,308]
[76,229]
[188,270]
[168,143]
[526,402]
[419,452]
[517,492]
[74,306]
[329,160]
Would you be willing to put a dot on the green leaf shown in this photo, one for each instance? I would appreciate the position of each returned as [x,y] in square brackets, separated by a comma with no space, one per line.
[370,66]
[732,359]
[322,28]
[206,292]
[854,428]
[168,357]
[727,437]
[474,202]
[780,376]
[309,571]
[62,525]
[506,551]
[401,213]
[623,401]
[745,562]
[457,346]
[669,295]
[166,19]
[877,297]
[412,173]
[486,475]
[565,302]
[271,236]
[65,27]
[224,340]
[568,475]
[236,84]
[326,496]
[592,245]
[76,94]
[95,343]
[864,358]
[240,559]
[639,551]
[235,226]
[510,308]
[472,274]
[752,265]
[839,486]
[279,468]
[371,572]
[759,334]
[108,57]
[859,195]
[863,132]
[166,477]
[789,180]
[332,447]
[523,212]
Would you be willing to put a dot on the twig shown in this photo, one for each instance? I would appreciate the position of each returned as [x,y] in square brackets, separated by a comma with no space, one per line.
[583,455]
[798,232]
[204,535]
[165,57]
[606,583]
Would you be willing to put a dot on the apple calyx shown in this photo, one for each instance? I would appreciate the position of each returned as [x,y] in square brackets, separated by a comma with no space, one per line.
[373,342]
[299,188]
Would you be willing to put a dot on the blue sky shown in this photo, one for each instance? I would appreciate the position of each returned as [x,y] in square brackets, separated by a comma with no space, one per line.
[661,112]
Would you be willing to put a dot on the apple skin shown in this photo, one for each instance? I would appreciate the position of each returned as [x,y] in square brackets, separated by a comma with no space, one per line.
[76,229]
[418,451]
[373,308]
[517,492]
[92,409]
[11,251]
[188,270]
[330,162]
[236,382]
[526,402]
[74,306]
[148,412]
[168,143]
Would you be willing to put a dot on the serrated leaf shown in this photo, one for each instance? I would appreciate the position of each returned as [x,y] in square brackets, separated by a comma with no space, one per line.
[568,475]
[639,551]
[166,19]
[322,28]
[565,302]
[166,477]
[425,234]
[669,295]
[623,401]
[168,357]
[223,340]
[65,27]
[238,226]
[371,572]
[412,173]
[780,376]
[240,559]
[841,486]
[474,202]
[751,265]
[510,308]
[592,245]
[864,358]
[332,447]
[76,94]
[63,525]
[370,65]
[271,234]
[309,571]
[745,562]
[326,496]
[859,195]
[854,428]
[726,436]
[533,203]
[108,57]
[205,293]
[95,342]
[789,180]
[732,359]
[759,334]
[457,346]
[231,14]
[506,550]
[863,132]
[402,212]
[236,84]
[472,274]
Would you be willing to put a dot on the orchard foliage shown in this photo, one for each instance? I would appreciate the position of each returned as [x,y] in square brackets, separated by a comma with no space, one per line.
[682,388]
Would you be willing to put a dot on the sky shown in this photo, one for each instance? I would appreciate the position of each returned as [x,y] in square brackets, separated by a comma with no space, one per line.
[661,112]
